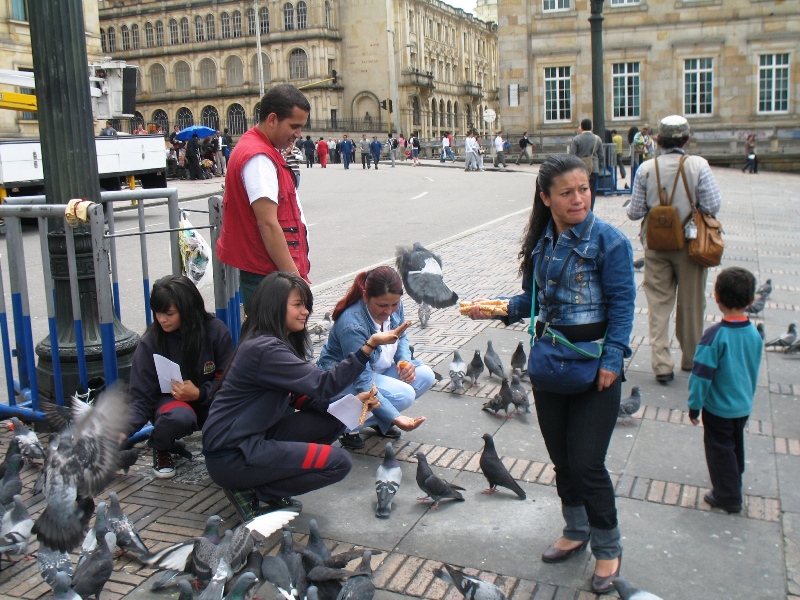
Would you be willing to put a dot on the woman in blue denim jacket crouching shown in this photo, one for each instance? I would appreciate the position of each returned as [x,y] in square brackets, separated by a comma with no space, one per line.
[592,299]
[373,304]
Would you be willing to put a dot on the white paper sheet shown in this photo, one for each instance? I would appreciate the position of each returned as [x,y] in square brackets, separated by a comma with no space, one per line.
[167,371]
[348,411]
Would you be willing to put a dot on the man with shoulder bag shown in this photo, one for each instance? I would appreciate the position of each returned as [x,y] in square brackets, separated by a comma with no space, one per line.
[589,148]
[672,193]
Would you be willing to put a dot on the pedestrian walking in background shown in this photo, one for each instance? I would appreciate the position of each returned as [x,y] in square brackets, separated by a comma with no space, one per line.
[642,149]
[616,139]
[346,150]
[392,144]
[375,148]
[750,154]
[332,149]
[309,148]
[364,146]
[470,152]
[479,144]
[447,151]
[413,141]
[500,150]
[525,149]
[322,152]
[589,148]
[401,145]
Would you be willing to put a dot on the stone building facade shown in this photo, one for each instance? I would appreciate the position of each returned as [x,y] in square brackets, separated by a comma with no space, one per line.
[486,10]
[730,66]
[197,61]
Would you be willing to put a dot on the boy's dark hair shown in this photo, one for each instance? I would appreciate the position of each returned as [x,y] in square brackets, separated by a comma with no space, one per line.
[735,288]
[586,124]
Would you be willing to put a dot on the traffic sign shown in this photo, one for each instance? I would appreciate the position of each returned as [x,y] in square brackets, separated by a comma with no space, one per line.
[489,116]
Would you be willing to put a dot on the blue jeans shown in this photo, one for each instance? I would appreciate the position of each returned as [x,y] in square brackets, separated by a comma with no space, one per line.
[346,159]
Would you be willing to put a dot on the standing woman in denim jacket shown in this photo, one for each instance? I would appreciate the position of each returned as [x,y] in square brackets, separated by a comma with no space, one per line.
[595,298]
[372,304]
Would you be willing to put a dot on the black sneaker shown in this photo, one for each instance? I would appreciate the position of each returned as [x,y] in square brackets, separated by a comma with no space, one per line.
[163,467]
[352,441]
[714,503]
[280,504]
[665,377]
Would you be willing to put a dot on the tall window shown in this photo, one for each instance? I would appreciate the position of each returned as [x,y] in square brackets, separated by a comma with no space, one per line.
[442,113]
[625,82]
[210,117]
[251,21]
[433,113]
[237,120]
[210,29]
[265,69]
[173,32]
[19,10]
[415,111]
[161,119]
[158,78]
[773,83]
[263,19]
[148,35]
[199,31]
[183,76]
[557,94]
[288,16]
[237,24]
[159,33]
[698,86]
[103,42]
[225,25]
[234,71]
[298,64]
[184,118]
[126,38]
[208,73]
[185,30]
[555,5]
[329,20]
[112,40]
[135,36]
[302,15]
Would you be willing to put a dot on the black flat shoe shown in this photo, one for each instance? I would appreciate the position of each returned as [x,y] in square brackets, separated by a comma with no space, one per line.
[393,432]
[554,555]
[352,441]
[665,377]
[280,504]
[602,585]
[714,503]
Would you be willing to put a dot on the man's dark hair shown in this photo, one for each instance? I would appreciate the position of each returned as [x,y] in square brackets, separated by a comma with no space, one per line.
[613,132]
[586,124]
[735,288]
[282,100]
[667,143]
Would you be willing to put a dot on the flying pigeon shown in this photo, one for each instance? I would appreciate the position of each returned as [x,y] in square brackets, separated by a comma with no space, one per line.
[51,562]
[62,590]
[519,395]
[475,368]
[495,471]
[15,532]
[497,404]
[757,306]
[761,331]
[61,417]
[458,370]
[11,484]
[630,405]
[27,440]
[433,486]
[82,460]
[92,574]
[421,272]
[239,590]
[493,362]
[765,289]
[638,263]
[628,592]
[471,588]
[322,328]
[387,482]
[424,314]
[360,587]
[128,539]
[519,362]
[785,340]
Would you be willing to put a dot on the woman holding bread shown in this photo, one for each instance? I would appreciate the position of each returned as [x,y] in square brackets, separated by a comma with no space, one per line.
[577,271]
[371,305]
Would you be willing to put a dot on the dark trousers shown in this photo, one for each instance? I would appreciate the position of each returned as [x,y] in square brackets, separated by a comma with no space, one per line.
[593,185]
[294,457]
[365,158]
[175,419]
[193,164]
[577,429]
[248,282]
[309,160]
[345,156]
[376,157]
[724,442]
[620,166]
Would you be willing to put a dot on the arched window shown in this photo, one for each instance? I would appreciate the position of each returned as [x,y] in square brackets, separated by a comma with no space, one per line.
[161,119]
[449,114]
[148,35]
[468,116]
[234,71]
[158,78]
[183,76]
[225,25]
[442,114]
[173,32]
[251,21]
[256,111]
[237,24]
[263,18]
[455,115]
[103,43]
[237,122]
[184,118]
[159,33]
[265,69]
[138,119]
[126,38]
[135,36]
[210,117]
[208,73]
[433,113]
[288,16]
[328,15]
[185,30]
[112,40]
[210,29]
[415,109]
[298,64]
[302,15]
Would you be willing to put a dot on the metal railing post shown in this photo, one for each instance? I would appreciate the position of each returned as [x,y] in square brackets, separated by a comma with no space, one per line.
[104,308]
[49,294]
[77,320]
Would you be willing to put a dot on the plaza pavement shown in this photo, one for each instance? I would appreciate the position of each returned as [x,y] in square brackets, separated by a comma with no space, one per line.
[674,544]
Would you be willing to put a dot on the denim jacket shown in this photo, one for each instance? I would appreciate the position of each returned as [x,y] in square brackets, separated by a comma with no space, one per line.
[351,331]
[598,285]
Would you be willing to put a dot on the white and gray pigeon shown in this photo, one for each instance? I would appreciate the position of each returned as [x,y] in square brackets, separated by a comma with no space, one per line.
[421,271]
[434,487]
[630,405]
[128,539]
[495,471]
[62,589]
[519,395]
[475,368]
[322,328]
[471,588]
[424,314]
[628,592]
[765,289]
[51,562]
[15,532]
[294,562]
[387,481]
[27,440]
[458,371]
[786,339]
[519,361]
[492,361]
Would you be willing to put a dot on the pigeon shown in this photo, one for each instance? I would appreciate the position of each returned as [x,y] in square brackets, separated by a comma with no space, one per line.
[128,458]
[433,486]
[274,570]
[15,532]
[765,289]
[13,448]
[761,331]
[495,471]
[61,417]
[519,395]
[51,562]
[506,397]
[475,368]
[185,590]
[631,404]
[493,362]
[387,482]
[757,306]
[638,264]
[11,484]
[495,405]
[222,572]
[82,460]
[471,588]
[628,592]
[322,328]
[424,314]
[128,539]
[519,362]
[421,272]
[97,532]
[27,440]
[241,585]
[793,348]
[294,563]
[315,545]
[62,590]
[92,574]
[458,370]
[785,340]
[361,586]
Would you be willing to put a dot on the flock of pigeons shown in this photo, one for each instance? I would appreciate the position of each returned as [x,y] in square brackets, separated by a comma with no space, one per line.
[786,342]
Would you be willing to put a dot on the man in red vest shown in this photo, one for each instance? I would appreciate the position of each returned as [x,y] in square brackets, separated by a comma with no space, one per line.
[263,229]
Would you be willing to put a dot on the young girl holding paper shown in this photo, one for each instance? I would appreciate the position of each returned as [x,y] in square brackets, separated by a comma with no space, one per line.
[200,344]
[260,454]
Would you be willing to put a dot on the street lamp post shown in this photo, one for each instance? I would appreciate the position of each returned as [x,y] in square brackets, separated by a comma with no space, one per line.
[393,84]
[598,94]
[259,59]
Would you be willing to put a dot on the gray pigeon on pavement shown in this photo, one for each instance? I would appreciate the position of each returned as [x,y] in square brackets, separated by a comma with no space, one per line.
[495,471]
[11,484]
[274,570]
[128,539]
[93,573]
[638,263]
[492,361]
[421,271]
[628,592]
[315,543]
[434,487]
[27,440]
[471,588]
[519,362]
[294,562]
[458,371]
[765,289]
[360,587]
[785,340]
[61,589]
[185,590]
[15,532]
[475,368]
[761,331]
[506,396]
[322,328]
[519,395]
[13,449]
[387,482]
[51,562]
[495,405]
[631,404]
[424,314]
[757,306]
[240,586]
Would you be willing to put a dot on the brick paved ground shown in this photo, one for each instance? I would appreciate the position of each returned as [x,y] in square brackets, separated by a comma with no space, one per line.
[648,457]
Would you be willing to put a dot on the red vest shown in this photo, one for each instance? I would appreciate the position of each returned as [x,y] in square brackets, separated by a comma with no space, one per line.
[240,243]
